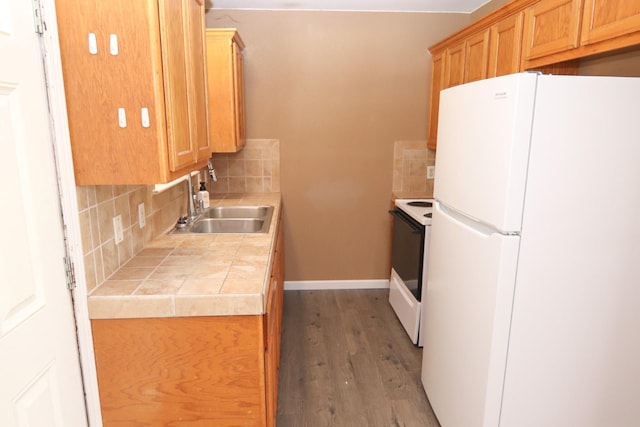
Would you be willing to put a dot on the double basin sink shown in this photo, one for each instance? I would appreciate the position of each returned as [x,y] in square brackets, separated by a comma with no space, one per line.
[228,219]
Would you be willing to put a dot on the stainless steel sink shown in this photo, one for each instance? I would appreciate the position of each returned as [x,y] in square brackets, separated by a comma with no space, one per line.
[229,219]
[229,225]
[237,212]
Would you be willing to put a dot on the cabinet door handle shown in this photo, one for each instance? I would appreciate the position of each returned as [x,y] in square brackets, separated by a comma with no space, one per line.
[113,44]
[144,117]
[122,118]
[93,44]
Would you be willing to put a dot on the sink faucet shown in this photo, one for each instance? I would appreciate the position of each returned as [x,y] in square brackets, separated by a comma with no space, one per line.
[191,208]
[212,172]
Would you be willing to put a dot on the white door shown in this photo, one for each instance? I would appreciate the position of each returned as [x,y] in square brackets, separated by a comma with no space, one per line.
[40,380]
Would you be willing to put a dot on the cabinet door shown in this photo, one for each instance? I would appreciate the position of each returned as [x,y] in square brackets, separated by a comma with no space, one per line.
[270,355]
[505,46]
[238,83]
[606,19]
[196,70]
[551,26]
[273,330]
[100,85]
[476,57]
[454,65]
[225,90]
[130,98]
[182,151]
[437,81]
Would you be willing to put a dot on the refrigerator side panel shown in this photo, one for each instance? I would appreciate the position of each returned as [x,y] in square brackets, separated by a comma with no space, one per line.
[467,311]
[574,351]
[484,130]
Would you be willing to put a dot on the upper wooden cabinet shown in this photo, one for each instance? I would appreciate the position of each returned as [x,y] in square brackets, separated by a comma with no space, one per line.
[463,62]
[551,26]
[437,83]
[608,19]
[506,46]
[476,57]
[135,88]
[543,35]
[454,65]
[225,78]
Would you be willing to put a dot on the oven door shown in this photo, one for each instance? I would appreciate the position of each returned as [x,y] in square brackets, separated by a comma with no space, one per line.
[407,251]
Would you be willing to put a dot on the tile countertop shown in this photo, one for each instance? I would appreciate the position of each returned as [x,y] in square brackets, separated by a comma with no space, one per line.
[194,275]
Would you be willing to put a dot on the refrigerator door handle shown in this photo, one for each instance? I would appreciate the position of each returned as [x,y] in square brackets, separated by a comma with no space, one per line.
[469,223]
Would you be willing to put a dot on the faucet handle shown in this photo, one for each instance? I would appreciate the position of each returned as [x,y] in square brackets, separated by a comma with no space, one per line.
[212,172]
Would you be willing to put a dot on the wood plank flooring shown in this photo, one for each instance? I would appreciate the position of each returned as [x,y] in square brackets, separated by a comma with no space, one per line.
[346,361]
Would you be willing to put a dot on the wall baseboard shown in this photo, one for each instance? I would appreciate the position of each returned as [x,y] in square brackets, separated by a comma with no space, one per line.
[310,285]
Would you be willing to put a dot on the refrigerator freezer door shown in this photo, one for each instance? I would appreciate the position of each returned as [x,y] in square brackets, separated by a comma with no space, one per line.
[482,152]
[467,313]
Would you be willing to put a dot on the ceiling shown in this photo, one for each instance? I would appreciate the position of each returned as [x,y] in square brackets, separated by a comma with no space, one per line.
[457,6]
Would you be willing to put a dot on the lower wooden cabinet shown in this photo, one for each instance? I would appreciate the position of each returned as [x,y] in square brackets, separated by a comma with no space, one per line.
[192,371]
[273,329]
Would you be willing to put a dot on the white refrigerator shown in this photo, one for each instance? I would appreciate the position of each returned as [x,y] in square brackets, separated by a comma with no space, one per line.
[532,306]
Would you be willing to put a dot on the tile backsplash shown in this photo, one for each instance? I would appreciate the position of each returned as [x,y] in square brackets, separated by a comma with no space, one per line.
[255,169]
[98,205]
[410,161]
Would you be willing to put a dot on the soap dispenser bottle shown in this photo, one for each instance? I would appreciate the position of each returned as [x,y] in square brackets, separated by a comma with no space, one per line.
[203,196]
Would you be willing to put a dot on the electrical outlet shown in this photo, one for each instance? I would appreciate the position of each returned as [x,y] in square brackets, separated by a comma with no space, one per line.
[117,229]
[142,219]
[431,172]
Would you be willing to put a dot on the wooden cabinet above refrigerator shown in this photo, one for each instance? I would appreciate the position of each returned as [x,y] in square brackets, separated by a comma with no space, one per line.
[545,35]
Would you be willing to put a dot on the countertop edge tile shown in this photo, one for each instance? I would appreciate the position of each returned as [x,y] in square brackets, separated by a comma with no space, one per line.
[218,305]
[131,307]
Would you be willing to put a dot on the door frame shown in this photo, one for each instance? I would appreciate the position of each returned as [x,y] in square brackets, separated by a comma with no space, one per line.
[52,64]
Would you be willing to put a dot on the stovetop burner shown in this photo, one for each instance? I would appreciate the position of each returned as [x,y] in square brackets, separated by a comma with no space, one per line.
[421,204]
[417,208]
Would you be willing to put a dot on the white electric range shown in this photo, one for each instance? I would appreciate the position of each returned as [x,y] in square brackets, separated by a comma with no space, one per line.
[418,209]
[409,255]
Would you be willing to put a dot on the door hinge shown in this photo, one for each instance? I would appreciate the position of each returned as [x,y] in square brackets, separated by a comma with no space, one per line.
[70,273]
[37,16]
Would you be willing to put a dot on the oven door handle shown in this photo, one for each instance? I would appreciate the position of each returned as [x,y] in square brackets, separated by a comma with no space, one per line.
[410,222]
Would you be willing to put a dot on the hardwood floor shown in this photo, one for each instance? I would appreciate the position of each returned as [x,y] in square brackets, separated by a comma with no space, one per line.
[346,361]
